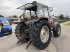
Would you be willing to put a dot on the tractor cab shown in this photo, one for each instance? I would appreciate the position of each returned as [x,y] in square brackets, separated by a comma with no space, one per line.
[34,10]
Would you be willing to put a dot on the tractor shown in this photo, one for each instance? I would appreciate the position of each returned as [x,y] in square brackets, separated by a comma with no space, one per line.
[36,25]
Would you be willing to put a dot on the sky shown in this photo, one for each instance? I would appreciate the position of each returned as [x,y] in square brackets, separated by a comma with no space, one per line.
[8,7]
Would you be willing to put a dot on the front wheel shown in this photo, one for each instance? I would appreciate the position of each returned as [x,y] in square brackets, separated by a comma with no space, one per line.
[56,30]
[41,34]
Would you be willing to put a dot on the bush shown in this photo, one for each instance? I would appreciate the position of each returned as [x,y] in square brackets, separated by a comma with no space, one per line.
[60,21]
[68,23]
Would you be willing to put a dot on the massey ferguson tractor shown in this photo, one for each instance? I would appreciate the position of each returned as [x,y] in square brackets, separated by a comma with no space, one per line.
[36,25]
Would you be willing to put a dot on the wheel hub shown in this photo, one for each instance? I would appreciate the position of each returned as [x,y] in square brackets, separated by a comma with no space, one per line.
[59,30]
[44,34]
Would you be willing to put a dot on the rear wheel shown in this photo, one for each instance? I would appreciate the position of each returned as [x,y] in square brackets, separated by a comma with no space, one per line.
[20,33]
[41,34]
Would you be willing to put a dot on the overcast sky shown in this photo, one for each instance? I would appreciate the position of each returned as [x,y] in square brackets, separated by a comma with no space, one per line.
[8,7]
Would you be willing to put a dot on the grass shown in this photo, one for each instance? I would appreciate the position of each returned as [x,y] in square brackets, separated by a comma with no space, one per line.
[68,23]
[60,21]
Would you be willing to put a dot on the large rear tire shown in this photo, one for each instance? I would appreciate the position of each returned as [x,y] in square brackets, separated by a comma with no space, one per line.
[20,32]
[41,34]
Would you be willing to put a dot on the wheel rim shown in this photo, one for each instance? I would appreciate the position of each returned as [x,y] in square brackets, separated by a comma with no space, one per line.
[59,30]
[44,34]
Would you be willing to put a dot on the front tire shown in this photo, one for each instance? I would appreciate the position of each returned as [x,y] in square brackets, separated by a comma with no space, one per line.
[56,30]
[36,34]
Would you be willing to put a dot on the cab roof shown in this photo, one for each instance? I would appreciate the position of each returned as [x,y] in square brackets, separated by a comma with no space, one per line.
[31,6]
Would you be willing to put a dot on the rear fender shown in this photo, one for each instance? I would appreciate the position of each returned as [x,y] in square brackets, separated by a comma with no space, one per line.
[40,19]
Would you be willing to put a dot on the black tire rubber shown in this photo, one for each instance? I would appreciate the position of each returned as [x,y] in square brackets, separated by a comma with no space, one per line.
[55,30]
[36,34]
[17,31]
[20,34]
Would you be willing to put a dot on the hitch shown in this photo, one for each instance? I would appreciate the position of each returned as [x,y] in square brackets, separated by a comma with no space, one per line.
[28,44]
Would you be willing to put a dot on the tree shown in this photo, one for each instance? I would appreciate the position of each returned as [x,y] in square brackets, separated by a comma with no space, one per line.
[61,16]
[15,16]
[67,18]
